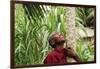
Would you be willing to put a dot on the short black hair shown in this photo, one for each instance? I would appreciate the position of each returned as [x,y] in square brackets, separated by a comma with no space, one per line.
[51,39]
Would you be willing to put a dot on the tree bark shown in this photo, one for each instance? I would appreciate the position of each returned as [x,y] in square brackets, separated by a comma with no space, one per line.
[70,27]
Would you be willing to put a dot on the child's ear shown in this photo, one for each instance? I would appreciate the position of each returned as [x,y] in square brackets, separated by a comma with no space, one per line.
[52,42]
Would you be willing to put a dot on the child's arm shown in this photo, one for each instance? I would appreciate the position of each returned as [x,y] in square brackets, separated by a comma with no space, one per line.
[71,53]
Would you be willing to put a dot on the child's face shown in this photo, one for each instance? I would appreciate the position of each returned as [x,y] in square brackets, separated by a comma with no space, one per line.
[60,41]
[59,38]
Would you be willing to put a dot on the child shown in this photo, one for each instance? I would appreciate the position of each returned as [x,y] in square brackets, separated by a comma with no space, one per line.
[59,54]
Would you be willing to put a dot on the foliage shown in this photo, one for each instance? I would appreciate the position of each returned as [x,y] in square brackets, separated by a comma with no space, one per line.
[83,15]
[85,50]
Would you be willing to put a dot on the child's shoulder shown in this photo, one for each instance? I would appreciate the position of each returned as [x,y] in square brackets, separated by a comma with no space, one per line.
[52,53]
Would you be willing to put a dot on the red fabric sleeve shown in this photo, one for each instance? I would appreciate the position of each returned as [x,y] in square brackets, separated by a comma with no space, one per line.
[48,60]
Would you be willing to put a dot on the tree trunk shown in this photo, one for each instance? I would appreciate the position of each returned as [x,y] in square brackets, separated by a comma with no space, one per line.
[70,26]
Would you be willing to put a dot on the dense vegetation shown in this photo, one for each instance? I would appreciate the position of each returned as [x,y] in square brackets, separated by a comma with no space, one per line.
[34,24]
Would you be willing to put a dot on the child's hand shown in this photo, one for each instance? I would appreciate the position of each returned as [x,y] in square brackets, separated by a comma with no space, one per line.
[71,53]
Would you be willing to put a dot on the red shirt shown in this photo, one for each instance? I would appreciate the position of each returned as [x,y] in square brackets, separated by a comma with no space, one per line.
[56,57]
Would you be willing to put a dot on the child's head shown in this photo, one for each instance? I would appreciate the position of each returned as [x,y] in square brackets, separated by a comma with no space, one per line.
[56,39]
